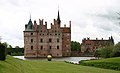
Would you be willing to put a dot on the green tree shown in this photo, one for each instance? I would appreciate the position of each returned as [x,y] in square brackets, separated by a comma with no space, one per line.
[106,52]
[75,46]
[2,52]
[97,53]
[116,50]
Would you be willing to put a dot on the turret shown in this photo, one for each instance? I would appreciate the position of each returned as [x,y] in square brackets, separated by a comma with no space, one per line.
[58,18]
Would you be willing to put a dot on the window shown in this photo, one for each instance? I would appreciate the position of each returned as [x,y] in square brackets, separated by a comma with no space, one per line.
[31,47]
[41,40]
[50,40]
[55,34]
[50,47]
[55,31]
[41,47]
[31,40]
[41,30]
[57,40]
[31,33]
[57,47]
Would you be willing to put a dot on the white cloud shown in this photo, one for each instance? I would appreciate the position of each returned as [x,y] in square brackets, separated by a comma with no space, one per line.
[90,18]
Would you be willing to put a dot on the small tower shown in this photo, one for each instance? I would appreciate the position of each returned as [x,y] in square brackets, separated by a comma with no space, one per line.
[58,18]
[112,39]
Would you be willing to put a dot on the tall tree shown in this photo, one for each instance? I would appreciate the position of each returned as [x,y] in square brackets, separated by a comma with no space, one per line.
[75,46]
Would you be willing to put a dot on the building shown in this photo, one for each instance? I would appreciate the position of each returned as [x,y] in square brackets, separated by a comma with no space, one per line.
[89,46]
[39,41]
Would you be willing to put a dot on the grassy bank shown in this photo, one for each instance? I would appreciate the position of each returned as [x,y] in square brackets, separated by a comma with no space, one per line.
[12,65]
[109,63]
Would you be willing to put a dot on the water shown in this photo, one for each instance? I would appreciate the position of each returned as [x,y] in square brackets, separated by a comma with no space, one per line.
[69,59]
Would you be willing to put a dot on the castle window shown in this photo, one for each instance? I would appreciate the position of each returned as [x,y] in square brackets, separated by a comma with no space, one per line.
[55,31]
[31,40]
[41,47]
[41,40]
[31,33]
[57,47]
[50,40]
[57,40]
[50,34]
[44,54]
[43,34]
[55,34]
[50,47]
[31,47]
[41,30]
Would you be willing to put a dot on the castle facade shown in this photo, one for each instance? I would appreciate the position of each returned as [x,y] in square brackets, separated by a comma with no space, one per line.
[91,45]
[39,41]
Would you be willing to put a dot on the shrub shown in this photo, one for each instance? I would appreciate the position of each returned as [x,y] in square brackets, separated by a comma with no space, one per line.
[2,52]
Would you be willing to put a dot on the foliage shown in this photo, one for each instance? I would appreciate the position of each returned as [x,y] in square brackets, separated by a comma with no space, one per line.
[110,51]
[106,52]
[17,51]
[97,53]
[2,52]
[110,63]
[75,46]
[12,65]
[116,50]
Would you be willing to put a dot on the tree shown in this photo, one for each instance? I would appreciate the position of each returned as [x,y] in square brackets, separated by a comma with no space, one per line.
[116,50]
[2,52]
[97,53]
[106,52]
[75,46]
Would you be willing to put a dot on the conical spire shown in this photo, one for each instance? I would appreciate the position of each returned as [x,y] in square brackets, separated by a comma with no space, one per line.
[58,18]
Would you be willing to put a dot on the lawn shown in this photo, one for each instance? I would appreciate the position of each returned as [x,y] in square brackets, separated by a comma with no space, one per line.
[12,65]
[109,63]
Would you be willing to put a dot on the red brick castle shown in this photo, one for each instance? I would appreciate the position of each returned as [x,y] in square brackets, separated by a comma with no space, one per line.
[39,41]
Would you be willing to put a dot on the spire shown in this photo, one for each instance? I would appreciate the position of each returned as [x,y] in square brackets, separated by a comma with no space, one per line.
[58,18]
[30,16]
[112,39]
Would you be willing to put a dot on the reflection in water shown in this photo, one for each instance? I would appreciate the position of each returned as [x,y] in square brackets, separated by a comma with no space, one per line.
[70,59]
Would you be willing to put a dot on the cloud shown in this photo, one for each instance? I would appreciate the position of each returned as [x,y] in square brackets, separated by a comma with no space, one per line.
[90,18]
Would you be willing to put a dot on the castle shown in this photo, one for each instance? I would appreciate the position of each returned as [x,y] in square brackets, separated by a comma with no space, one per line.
[89,46]
[39,41]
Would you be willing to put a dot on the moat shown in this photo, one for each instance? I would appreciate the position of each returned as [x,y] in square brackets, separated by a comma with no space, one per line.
[70,59]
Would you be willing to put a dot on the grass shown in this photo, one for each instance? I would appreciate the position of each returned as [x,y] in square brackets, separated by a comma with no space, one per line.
[109,63]
[12,65]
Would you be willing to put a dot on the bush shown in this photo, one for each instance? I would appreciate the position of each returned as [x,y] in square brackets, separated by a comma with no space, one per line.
[2,52]
[107,65]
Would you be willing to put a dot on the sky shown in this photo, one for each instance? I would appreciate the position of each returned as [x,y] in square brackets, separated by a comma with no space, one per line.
[89,18]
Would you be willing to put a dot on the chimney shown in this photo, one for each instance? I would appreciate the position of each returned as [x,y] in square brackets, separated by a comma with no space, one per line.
[70,23]
[51,25]
[39,22]
[109,38]
[42,21]
[54,21]
[64,25]
[88,38]
[96,38]
[35,25]
[102,38]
